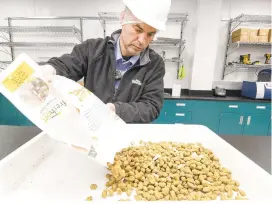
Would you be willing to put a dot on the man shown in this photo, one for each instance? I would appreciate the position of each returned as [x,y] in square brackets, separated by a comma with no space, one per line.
[122,70]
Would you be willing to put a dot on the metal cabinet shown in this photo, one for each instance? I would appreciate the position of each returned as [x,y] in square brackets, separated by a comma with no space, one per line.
[10,115]
[8,112]
[237,124]
[206,113]
[245,118]
[256,124]
[231,124]
[222,117]
[269,129]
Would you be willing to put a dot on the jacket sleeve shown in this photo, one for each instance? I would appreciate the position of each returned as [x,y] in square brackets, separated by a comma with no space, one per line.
[73,65]
[148,107]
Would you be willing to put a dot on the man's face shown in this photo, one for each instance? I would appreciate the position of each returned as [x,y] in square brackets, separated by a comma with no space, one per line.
[135,38]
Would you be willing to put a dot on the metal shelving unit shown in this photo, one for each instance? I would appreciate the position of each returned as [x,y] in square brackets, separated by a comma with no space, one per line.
[248,66]
[9,62]
[73,31]
[231,47]
[244,18]
[63,30]
[168,42]
[173,60]
[55,29]
[259,44]
[114,16]
[37,44]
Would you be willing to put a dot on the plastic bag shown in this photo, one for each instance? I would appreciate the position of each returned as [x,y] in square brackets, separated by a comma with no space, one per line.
[63,109]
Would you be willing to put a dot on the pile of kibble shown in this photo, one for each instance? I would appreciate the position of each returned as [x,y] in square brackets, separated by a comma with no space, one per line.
[170,171]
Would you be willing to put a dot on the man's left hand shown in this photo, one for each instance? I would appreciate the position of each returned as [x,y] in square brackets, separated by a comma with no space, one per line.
[111,106]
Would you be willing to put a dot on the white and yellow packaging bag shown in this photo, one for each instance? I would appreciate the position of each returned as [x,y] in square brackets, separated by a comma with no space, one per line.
[63,109]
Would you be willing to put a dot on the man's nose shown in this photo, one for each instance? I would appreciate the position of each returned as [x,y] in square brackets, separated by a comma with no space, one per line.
[142,38]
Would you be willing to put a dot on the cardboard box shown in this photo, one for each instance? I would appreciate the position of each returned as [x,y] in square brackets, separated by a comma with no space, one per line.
[263,32]
[253,38]
[239,32]
[241,38]
[263,38]
[253,32]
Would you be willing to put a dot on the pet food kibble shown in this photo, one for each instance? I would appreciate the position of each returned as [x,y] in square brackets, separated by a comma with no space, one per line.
[89,198]
[170,171]
[129,192]
[242,193]
[104,193]
[110,192]
[119,191]
[93,186]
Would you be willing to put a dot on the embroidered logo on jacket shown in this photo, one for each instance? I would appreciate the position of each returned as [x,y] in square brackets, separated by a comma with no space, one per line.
[136,81]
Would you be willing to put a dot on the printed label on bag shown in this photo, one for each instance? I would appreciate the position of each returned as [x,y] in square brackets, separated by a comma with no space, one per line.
[52,109]
[18,77]
[81,93]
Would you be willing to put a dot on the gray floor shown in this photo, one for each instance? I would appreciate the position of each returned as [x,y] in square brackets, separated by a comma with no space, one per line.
[12,137]
[257,149]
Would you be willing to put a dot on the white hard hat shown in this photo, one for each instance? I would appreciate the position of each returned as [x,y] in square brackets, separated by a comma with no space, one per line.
[151,12]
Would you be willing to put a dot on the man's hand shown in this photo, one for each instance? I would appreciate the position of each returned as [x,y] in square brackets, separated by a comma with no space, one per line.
[48,72]
[111,106]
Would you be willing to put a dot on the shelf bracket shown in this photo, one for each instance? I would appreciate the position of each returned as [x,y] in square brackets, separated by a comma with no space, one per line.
[237,46]
[103,24]
[5,51]
[81,29]
[10,38]
[3,36]
[236,25]
[181,45]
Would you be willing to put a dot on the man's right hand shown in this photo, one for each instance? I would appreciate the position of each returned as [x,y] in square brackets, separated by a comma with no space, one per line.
[48,72]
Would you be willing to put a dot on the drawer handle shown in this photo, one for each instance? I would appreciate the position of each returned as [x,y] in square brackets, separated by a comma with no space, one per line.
[260,107]
[241,120]
[180,114]
[180,104]
[233,106]
[248,120]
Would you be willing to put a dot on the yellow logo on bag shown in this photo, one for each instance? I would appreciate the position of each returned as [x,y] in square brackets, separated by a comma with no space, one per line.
[18,77]
[81,93]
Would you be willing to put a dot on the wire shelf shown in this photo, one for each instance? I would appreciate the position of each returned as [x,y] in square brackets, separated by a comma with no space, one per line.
[259,44]
[54,29]
[9,62]
[261,19]
[54,18]
[247,66]
[177,17]
[167,42]
[114,16]
[37,44]
[174,59]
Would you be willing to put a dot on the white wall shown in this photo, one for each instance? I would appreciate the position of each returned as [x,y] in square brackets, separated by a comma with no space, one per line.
[208,20]
[93,29]
[231,9]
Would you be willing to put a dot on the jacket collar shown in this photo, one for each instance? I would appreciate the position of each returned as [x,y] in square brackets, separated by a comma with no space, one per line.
[144,56]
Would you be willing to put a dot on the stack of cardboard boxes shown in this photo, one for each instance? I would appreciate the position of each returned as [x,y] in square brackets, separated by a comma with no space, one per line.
[251,35]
